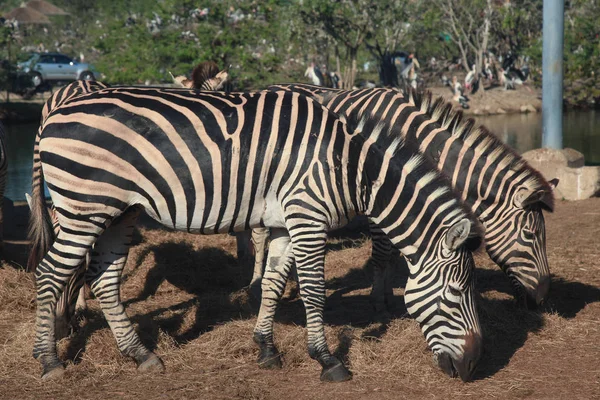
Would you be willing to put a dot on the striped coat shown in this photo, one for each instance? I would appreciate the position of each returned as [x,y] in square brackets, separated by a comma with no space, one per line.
[507,195]
[213,163]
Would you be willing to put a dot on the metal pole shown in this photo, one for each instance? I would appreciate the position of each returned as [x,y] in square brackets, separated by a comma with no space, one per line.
[552,71]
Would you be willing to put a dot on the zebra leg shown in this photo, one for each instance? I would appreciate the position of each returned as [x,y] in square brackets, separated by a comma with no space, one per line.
[80,304]
[104,272]
[259,242]
[308,245]
[67,305]
[273,285]
[57,267]
[244,252]
[382,293]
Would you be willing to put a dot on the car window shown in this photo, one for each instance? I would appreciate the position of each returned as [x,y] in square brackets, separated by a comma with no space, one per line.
[63,59]
[46,59]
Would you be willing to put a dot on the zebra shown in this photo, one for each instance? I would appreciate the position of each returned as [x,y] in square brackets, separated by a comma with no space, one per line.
[503,191]
[205,76]
[244,160]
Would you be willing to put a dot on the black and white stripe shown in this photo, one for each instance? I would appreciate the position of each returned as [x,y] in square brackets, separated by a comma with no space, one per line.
[503,191]
[215,162]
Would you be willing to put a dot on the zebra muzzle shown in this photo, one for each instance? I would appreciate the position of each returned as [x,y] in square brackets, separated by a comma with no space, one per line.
[464,367]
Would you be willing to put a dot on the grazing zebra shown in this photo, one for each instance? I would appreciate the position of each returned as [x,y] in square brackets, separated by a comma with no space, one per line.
[503,191]
[213,163]
[3,171]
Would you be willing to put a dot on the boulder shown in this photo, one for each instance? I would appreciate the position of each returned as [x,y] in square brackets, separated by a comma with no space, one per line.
[526,108]
[577,181]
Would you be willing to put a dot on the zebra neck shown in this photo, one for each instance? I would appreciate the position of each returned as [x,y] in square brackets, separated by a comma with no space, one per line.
[407,200]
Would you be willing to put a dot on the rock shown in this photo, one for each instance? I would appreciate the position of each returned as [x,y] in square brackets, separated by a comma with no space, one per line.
[577,181]
[526,108]
[477,111]
[575,159]
[500,111]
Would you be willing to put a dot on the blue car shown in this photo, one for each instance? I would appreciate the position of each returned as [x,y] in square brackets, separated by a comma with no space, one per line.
[55,67]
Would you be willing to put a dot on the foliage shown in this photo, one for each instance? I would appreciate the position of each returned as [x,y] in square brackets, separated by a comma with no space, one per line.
[582,52]
[262,42]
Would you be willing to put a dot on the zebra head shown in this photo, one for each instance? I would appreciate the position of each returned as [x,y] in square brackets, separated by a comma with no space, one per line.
[520,248]
[439,294]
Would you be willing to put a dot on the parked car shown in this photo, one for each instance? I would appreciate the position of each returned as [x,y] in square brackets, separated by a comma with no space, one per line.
[55,67]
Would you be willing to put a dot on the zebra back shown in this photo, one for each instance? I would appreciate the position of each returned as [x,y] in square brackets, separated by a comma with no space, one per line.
[68,92]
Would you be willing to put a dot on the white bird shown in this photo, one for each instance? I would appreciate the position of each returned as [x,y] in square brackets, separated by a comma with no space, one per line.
[458,93]
[470,78]
[314,74]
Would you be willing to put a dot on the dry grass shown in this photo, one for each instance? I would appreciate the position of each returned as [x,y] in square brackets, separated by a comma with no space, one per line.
[186,296]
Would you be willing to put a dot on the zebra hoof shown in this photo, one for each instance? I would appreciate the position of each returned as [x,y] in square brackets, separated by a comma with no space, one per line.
[336,373]
[153,364]
[54,373]
[270,358]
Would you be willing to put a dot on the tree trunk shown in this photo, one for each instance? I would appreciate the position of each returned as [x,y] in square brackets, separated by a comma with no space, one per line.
[350,69]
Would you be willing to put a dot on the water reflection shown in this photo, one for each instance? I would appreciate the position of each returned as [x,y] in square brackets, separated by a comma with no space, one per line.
[20,139]
[522,132]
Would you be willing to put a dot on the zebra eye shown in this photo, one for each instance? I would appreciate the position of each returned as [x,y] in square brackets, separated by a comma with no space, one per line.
[454,291]
[528,234]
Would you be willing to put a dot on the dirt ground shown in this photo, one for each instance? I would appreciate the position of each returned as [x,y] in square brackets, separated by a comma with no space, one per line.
[186,296]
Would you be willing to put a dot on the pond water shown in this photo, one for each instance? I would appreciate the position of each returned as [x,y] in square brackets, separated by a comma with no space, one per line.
[523,132]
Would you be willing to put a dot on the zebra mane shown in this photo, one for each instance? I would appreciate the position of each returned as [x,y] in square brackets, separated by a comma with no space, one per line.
[480,138]
[204,71]
[407,154]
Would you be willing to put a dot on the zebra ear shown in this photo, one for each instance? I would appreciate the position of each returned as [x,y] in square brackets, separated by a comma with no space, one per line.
[526,197]
[458,234]
[28,198]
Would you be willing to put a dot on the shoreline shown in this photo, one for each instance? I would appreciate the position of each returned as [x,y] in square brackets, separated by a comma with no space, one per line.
[493,101]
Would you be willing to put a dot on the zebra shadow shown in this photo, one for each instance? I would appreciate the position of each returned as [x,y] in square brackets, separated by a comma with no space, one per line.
[566,298]
[211,275]
[505,324]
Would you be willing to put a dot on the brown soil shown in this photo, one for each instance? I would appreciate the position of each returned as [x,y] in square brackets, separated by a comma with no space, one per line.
[186,295]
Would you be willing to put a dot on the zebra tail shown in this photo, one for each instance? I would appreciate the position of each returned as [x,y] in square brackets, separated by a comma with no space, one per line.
[41,234]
